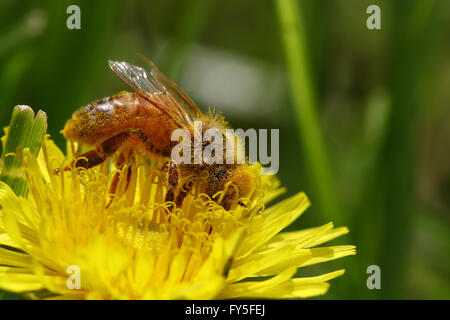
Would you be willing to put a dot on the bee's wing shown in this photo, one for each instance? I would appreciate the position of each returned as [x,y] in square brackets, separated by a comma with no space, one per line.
[188,105]
[159,90]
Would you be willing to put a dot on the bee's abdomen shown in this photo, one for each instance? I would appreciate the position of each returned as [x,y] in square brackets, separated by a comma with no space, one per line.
[100,118]
[110,116]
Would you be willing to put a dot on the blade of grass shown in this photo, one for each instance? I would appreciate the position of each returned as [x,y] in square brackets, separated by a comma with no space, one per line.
[305,109]
[412,28]
[366,235]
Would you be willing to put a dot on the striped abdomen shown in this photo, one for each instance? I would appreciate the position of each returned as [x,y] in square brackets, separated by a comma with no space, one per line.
[108,117]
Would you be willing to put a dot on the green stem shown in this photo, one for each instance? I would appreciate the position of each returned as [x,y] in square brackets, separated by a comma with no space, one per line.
[305,108]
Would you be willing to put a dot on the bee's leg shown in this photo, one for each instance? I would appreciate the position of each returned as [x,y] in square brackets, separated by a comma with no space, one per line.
[145,140]
[183,193]
[108,147]
[119,165]
[115,181]
[95,157]
[111,145]
[173,182]
[87,160]
[90,159]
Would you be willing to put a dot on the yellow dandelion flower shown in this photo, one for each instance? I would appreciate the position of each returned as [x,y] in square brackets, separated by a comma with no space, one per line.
[133,247]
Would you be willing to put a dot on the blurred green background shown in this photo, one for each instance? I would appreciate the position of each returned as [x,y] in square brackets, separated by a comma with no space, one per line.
[364,115]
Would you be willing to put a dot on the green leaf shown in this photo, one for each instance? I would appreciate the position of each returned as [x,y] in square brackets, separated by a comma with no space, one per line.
[25,131]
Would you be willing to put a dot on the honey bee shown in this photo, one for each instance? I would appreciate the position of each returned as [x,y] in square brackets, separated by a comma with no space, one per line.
[144,120]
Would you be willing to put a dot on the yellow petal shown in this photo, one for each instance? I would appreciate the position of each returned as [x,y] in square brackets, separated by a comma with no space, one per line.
[329,253]
[14,259]
[18,280]
[273,221]
[295,235]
